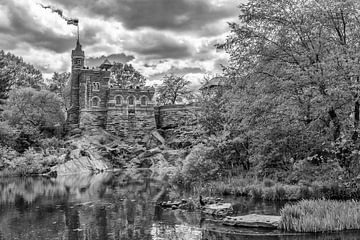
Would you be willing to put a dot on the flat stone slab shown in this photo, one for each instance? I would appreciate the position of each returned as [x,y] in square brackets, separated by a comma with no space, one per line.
[218,209]
[253,220]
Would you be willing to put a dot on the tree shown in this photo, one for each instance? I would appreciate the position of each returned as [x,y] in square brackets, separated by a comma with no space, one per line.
[173,89]
[15,73]
[294,68]
[60,84]
[30,110]
[213,104]
[125,75]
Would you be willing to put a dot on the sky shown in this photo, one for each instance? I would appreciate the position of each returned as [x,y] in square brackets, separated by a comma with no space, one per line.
[157,37]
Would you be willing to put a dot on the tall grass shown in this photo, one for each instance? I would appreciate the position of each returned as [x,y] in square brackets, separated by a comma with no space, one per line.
[274,191]
[320,216]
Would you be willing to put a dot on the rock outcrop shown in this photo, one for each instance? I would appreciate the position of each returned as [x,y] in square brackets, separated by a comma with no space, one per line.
[253,220]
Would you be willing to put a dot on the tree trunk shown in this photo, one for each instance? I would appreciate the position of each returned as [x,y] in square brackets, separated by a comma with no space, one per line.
[334,118]
[356,120]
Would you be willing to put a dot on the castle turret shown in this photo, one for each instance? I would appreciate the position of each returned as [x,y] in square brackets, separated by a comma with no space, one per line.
[77,57]
[77,64]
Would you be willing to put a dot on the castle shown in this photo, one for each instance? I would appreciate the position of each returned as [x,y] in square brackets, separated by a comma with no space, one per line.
[127,111]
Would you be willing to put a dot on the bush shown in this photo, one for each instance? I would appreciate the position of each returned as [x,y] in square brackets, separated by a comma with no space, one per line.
[320,216]
[196,167]
[7,154]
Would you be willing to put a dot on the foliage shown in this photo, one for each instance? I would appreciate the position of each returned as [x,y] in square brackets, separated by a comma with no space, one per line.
[320,216]
[28,107]
[294,80]
[60,85]
[14,72]
[196,167]
[173,89]
[8,134]
[6,156]
[125,75]
[31,115]
[214,109]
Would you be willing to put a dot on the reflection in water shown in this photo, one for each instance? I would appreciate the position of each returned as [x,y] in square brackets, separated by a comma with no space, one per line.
[117,206]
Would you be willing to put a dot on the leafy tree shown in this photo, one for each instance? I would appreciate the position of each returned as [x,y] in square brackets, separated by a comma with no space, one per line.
[15,73]
[60,84]
[173,89]
[294,68]
[19,73]
[32,111]
[125,75]
[214,107]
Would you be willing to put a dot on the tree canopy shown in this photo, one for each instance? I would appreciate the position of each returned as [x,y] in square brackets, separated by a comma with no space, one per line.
[173,89]
[294,69]
[14,73]
[34,109]
[125,75]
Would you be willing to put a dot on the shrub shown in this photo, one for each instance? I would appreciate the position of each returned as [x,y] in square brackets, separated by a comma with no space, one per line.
[255,192]
[196,167]
[268,182]
[320,216]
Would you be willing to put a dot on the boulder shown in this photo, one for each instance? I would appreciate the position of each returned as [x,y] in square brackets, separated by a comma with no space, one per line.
[253,220]
[218,209]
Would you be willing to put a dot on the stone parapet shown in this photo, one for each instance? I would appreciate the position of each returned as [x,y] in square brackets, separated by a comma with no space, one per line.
[171,116]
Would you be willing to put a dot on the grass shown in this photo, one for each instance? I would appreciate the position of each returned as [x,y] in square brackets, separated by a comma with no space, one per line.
[320,216]
[272,191]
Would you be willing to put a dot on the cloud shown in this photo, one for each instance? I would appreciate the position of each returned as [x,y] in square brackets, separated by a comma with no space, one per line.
[157,37]
[177,71]
[25,29]
[120,57]
[179,15]
[158,45]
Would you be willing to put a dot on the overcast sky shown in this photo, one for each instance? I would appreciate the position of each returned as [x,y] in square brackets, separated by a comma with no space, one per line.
[156,36]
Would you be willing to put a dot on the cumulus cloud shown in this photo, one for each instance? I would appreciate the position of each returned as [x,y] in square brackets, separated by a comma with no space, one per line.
[120,57]
[25,29]
[158,45]
[157,37]
[179,15]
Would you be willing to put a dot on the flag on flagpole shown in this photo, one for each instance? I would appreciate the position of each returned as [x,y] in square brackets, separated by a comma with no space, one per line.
[72,21]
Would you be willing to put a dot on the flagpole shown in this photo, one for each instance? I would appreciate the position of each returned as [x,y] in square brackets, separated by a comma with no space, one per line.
[78,34]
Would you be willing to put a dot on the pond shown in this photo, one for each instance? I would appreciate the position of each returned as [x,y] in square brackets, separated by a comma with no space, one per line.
[118,205]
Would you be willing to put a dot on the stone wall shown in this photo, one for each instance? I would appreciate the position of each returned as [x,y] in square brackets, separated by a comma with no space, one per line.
[132,122]
[92,119]
[173,116]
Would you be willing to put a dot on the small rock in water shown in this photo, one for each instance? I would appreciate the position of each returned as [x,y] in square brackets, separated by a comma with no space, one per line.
[218,209]
[253,220]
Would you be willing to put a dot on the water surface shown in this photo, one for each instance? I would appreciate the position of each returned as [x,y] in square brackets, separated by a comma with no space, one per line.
[118,205]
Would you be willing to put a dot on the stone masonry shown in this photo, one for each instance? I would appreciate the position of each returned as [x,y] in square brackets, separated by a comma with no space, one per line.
[95,103]
[128,112]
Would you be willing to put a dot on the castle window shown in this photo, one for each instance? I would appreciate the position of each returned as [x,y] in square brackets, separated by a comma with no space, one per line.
[118,100]
[96,86]
[95,102]
[143,101]
[77,61]
[131,100]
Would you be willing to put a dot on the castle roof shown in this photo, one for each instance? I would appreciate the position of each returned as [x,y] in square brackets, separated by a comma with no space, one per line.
[106,64]
[214,82]
[78,50]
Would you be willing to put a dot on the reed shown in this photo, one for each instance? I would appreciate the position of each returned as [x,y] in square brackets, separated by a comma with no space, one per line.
[320,216]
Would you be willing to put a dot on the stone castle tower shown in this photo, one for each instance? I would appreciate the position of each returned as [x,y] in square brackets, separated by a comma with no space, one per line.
[127,111]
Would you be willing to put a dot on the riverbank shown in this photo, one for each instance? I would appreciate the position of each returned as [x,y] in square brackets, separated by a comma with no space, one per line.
[270,190]
[320,216]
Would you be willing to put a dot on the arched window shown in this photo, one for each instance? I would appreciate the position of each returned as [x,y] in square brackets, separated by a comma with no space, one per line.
[96,86]
[118,100]
[95,102]
[143,101]
[131,100]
